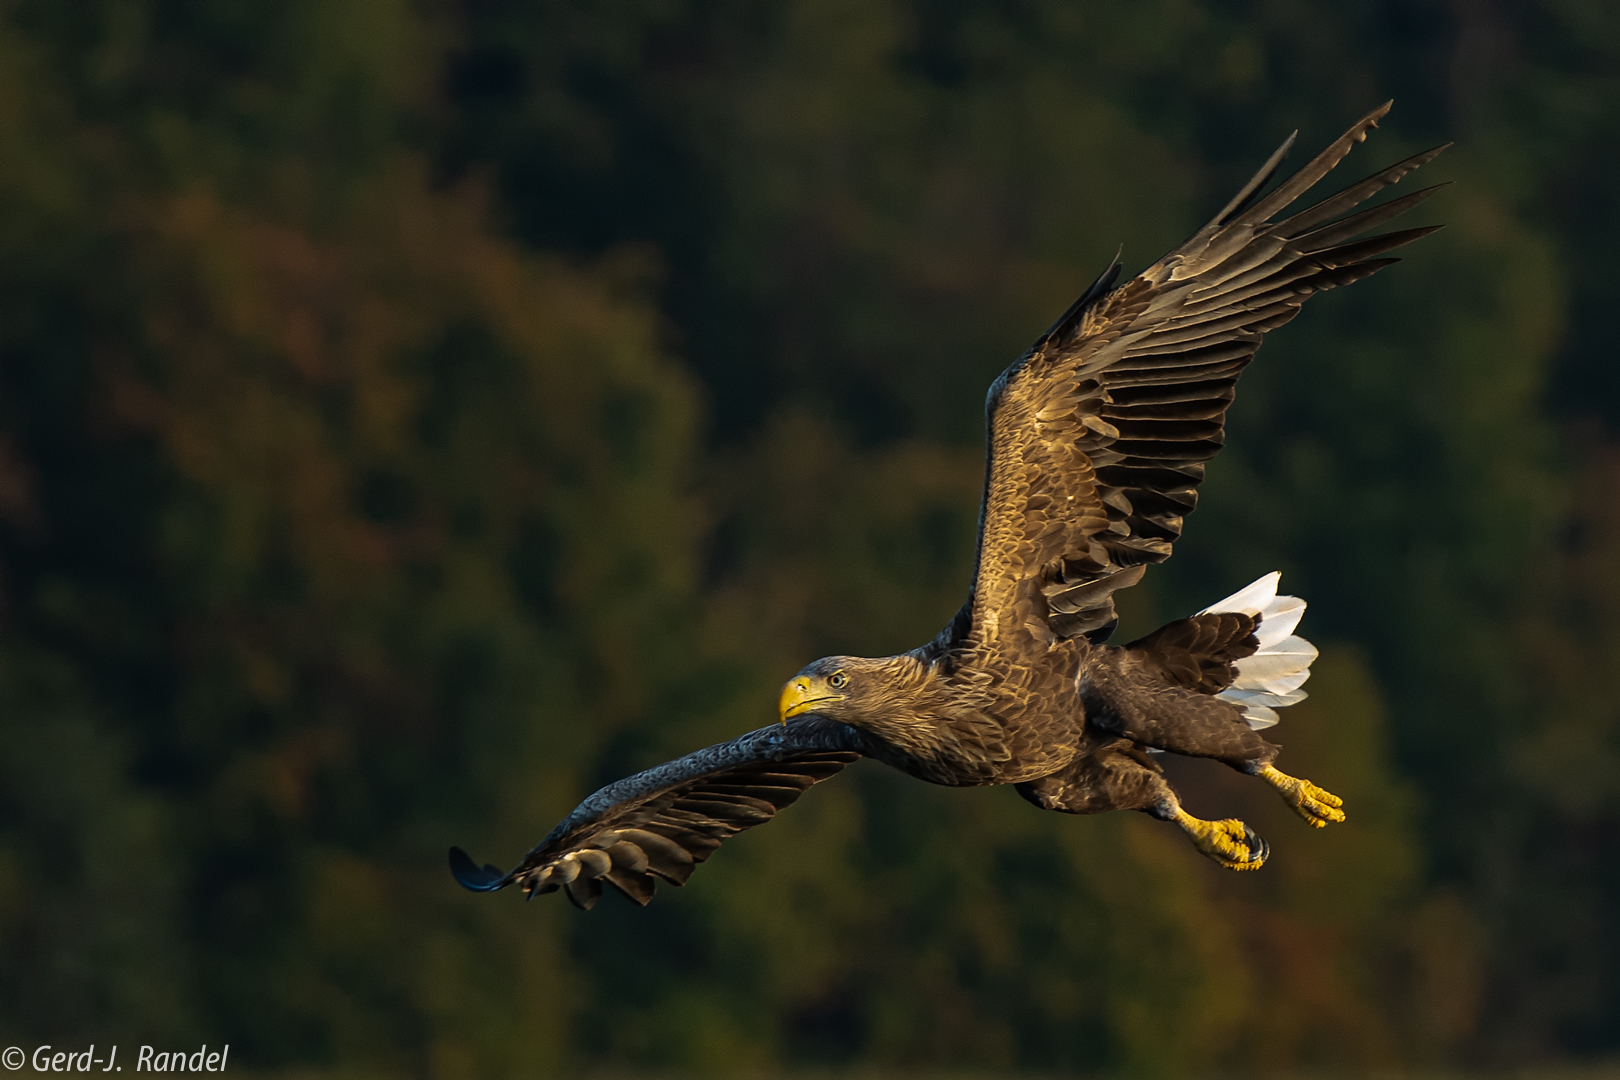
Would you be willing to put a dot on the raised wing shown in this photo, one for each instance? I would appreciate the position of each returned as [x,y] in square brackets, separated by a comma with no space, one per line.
[1099,434]
[663,822]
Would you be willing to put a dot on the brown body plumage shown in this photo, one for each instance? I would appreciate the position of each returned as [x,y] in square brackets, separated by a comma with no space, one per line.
[1097,441]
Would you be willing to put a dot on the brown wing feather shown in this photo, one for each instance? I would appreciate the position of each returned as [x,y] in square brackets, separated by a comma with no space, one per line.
[1099,434]
[661,823]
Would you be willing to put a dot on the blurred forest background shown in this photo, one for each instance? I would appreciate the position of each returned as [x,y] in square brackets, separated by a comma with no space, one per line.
[415,414]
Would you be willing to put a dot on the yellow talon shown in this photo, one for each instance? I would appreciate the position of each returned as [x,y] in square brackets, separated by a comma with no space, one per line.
[1316,805]
[1229,842]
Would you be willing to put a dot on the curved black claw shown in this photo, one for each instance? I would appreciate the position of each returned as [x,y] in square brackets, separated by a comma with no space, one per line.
[469,876]
[1259,850]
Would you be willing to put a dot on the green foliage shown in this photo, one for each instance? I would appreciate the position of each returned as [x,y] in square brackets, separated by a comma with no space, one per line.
[414,417]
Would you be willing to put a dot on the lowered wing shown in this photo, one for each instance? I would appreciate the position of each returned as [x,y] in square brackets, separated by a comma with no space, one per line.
[1099,434]
[663,822]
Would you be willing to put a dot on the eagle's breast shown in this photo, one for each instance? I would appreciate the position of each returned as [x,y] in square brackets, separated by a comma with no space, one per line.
[977,719]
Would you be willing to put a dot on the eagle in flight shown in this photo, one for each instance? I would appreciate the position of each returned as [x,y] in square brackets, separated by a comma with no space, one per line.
[1098,437]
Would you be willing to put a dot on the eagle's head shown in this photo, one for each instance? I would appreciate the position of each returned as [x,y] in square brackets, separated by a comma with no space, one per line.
[848,688]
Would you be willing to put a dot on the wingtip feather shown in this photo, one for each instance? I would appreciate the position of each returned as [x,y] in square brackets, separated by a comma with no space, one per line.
[1095,291]
[1318,167]
[469,875]
[1251,190]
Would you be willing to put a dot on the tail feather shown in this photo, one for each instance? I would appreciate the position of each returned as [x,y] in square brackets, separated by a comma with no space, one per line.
[1269,669]
[1250,599]
[1281,617]
[1271,678]
[1260,716]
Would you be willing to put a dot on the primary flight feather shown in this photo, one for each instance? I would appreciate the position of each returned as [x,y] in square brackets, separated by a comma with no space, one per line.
[1098,437]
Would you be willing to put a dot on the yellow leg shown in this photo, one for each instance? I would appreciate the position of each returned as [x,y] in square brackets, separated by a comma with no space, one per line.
[1316,806]
[1230,842]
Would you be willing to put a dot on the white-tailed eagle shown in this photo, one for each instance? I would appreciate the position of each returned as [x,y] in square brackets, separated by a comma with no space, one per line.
[1098,437]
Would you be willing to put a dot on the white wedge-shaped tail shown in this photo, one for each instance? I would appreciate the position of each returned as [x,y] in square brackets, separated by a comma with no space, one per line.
[1271,678]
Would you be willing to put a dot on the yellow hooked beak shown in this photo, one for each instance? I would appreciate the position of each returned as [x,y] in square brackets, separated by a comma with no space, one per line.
[801,695]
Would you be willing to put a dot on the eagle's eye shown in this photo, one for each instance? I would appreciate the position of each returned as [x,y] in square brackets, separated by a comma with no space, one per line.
[838,680]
